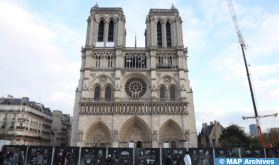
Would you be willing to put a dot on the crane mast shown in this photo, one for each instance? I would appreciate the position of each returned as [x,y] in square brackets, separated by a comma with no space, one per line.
[235,22]
[243,47]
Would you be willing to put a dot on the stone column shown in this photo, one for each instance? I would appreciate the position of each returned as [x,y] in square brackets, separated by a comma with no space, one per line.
[148,36]
[164,34]
[88,31]
[153,34]
[115,34]
[153,74]
[120,32]
[106,32]
[181,73]
[94,28]
[118,75]
[179,32]
[173,34]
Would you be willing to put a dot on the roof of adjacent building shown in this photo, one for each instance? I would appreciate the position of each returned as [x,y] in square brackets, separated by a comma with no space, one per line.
[206,129]
[25,101]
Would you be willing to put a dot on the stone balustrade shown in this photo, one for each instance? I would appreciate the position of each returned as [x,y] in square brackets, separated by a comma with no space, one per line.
[133,108]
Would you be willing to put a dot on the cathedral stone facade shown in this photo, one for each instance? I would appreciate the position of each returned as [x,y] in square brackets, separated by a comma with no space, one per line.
[134,96]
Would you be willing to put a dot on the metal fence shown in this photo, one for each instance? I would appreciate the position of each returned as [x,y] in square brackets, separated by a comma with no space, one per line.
[41,155]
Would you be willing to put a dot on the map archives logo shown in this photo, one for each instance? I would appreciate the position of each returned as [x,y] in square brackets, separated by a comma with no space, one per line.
[246,161]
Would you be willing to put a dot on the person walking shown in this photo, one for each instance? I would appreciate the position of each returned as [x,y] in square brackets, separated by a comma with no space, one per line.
[187,159]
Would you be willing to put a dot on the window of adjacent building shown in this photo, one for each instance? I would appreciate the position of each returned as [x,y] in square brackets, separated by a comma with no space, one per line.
[168,30]
[108,93]
[101,31]
[172,93]
[97,93]
[3,125]
[159,34]
[110,32]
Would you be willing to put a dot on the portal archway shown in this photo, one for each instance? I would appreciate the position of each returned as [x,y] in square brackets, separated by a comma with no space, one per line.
[135,130]
[170,132]
[98,135]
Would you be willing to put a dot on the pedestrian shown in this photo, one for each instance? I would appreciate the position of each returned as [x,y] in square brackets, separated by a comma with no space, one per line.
[9,159]
[2,157]
[109,160]
[187,159]
[168,160]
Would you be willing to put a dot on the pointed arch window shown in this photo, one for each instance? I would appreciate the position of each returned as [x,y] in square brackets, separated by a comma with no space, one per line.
[101,31]
[159,34]
[110,32]
[97,93]
[172,93]
[108,93]
[162,93]
[168,30]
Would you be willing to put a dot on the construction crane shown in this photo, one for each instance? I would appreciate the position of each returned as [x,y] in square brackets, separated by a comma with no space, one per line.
[243,47]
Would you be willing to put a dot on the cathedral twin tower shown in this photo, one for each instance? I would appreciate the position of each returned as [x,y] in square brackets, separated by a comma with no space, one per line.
[134,96]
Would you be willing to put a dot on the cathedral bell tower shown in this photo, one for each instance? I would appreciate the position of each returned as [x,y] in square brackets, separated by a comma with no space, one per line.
[164,29]
[105,27]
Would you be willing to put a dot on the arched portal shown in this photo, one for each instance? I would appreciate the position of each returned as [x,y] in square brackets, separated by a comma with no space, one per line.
[135,130]
[170,132]
[98,135]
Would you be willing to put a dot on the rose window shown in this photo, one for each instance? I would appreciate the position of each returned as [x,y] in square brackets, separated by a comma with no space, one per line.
[135,87]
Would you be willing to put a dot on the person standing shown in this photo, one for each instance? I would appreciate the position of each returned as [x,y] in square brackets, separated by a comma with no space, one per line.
[168,160]
[109,160]
[187,159]
[2,157]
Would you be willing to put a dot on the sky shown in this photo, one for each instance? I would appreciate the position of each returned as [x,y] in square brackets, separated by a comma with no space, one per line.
[40,44]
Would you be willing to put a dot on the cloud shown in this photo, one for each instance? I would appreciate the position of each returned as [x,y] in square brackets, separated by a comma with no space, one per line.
[212,10]
[33,63]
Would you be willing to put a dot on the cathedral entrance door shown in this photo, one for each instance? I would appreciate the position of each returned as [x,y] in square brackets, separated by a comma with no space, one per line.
[171,133]
[135,129]
[139,144]
[98,135]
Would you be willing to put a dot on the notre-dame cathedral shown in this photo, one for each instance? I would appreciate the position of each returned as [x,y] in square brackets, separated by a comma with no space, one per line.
[134,96]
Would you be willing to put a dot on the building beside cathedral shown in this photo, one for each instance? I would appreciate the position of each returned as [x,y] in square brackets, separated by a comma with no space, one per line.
[134,96]
[25,122]
[61,128]
[210,134]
